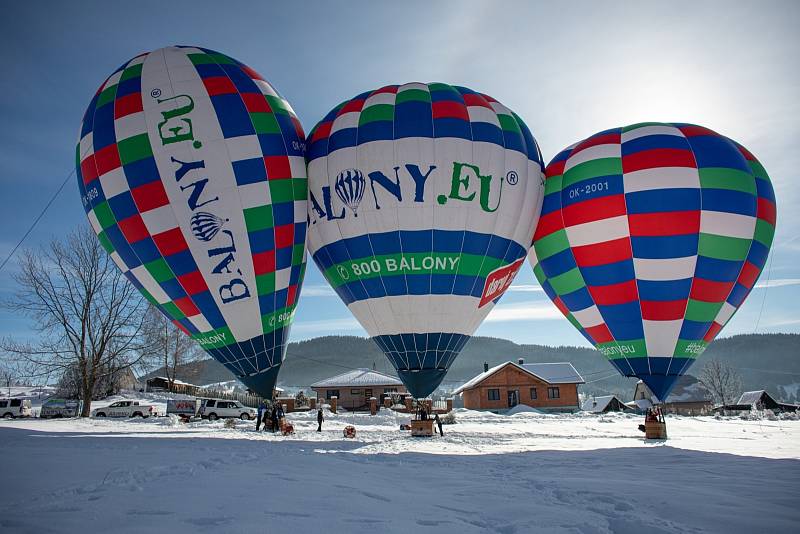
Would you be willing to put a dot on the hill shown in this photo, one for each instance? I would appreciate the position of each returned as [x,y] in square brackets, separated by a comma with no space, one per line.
[765,361]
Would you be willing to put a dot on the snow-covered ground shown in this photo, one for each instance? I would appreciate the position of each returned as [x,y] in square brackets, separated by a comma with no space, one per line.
[489,473]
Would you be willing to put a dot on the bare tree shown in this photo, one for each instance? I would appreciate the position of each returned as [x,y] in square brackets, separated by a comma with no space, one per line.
[167,345]
[86,312]
[722,380]
[9,374]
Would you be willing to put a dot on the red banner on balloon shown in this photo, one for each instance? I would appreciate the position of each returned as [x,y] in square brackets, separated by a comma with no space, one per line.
[498,281]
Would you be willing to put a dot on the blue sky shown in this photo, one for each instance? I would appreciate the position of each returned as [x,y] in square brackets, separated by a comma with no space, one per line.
[568,70]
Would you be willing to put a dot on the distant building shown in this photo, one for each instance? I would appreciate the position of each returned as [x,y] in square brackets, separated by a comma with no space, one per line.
[545,386]
[353,389]
[688,397]
[604,404]
[760,400]
[161,383]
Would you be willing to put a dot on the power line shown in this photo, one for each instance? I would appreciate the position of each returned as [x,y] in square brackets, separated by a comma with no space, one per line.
[37,219]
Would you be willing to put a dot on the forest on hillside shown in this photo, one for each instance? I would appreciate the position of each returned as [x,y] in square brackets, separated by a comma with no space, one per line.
[764,361]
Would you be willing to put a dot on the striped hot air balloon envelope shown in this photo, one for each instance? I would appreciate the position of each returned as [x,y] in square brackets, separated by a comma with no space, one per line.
[423,198]
[651,236]
[192,173]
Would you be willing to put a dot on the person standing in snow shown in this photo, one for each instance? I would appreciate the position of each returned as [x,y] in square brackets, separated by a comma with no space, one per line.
[320,419]
[261,408]
[274,417]
[439,424]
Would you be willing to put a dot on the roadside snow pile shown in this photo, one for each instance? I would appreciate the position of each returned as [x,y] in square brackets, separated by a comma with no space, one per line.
[522,408]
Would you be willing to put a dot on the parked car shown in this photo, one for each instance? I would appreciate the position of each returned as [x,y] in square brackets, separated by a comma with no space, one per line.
[220,408]
[126,408]
[55,408]
[11,408]
[183,408]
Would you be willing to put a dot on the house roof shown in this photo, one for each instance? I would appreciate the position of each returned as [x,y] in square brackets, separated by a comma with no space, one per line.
[552,373]
[359,377]
[752,397]
[599,404]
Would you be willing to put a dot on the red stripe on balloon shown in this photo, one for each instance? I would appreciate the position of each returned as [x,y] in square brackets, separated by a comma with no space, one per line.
[264,262]
[766,210]
[712,332]
[561,306]
[193,283]
[691,130]
[603,253]
[219,85]
[594,210]
[133,228]
[170,242]
[599,333]
[658,310]
[556,168]
[710,290]
[548,224]
[748,275]
[612,138]
[664,223]
[657,157]
[351,106]
[614,293]
[449,110]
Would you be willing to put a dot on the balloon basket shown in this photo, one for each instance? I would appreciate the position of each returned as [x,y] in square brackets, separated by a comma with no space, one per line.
[286,427]
[655,426]
[422,428]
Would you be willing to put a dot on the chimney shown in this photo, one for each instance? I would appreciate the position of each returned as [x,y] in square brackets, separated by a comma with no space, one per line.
[521,361]
[485,367]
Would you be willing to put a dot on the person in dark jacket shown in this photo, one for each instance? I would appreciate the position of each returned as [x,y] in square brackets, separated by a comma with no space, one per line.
[438,423]
[274,417]
[320,419]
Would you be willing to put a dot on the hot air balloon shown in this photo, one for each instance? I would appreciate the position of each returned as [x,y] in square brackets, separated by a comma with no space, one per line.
[651,236]
[449,182]
[192,173]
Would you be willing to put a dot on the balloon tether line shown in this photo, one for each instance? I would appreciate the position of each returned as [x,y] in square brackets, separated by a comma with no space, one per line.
[37,219]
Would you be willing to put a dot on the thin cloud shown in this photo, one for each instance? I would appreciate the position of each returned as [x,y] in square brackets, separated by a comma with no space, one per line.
[524,311]
[318,290]
[524,288]
[327,326]
[778,282]
[780,323]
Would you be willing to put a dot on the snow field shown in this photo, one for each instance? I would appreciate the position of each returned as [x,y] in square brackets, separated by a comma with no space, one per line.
[490,473]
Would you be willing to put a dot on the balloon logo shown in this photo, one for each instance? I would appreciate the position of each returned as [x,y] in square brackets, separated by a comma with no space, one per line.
[441,231]
[651,236]
[206,225]
[192,172]
[350,188]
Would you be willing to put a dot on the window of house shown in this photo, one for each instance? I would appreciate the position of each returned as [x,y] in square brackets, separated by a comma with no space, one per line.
[534,396]
[553,393]
[331,393]
[494,394]
[355,392]
[390,390]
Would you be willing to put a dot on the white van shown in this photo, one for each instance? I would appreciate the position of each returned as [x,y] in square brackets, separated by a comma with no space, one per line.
[57,408]
[220,408]
[11,408]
